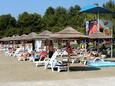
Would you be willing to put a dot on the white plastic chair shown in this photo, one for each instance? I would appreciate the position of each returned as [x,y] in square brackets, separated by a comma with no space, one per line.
[53,63]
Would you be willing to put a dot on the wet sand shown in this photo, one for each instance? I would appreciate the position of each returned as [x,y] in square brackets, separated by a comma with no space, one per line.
[12,70]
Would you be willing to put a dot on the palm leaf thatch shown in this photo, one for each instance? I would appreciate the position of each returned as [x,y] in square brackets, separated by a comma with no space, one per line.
[69,33]
[99,35]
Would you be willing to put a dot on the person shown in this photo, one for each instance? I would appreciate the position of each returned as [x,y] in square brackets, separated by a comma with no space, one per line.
[87,27]
[103,46]
[42,55]
[51,49]
[69,49]
[24,56]
[32,56]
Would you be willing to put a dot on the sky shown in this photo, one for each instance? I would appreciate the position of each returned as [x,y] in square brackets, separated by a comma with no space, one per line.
[16,7]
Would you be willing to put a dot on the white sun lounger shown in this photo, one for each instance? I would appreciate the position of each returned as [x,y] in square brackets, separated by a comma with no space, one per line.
[53,63]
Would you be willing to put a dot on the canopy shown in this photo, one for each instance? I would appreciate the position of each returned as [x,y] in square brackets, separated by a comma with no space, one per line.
[95,9]
[99,35]
[25,37]
[15,38]
[68,33]
[32,35]
[44,35]
[5,39]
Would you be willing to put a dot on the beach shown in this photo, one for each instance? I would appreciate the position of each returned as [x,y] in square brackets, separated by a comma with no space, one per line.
[12,71]
[105,81]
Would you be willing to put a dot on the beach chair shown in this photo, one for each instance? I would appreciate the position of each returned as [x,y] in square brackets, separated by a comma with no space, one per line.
[83,57]
[42,61]
[93,58]
[9,51]
[73,56]
[53,63]
[18,52]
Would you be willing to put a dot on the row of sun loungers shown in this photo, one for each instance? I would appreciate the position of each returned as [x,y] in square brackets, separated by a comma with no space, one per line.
[53,62]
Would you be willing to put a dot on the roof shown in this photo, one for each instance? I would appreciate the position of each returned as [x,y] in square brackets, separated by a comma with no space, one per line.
[99,35]
[44,35]
[96,9]
[68,33]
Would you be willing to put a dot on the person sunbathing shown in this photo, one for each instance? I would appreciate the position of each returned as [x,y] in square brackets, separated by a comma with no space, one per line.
[10,51]
[38,56]
[33,56]
[69,49]
[24,56]
[42,55]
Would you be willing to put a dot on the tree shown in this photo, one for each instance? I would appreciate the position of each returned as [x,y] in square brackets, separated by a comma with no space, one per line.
[30,21]
[61,16]
[10,32]
[49,11]
[49,18]
[26,30]
[111,5]
[74,10]
[7,21]
[36,22]
[24,19]
[97,4]
[74,19]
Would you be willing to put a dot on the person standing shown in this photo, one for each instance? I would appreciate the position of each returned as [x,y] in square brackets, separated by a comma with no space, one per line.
[51,49]
[69,50]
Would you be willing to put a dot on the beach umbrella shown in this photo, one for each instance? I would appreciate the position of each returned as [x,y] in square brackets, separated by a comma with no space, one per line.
[17,37]
[33,35]
[5,39]
[44,35]
[12,38]
[68,33]
[96,10]
[25,37]
[99,35]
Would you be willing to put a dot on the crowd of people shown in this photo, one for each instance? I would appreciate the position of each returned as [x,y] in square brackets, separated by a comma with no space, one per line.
[24,53]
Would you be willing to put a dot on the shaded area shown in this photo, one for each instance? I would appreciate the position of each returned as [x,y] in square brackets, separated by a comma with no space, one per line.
[80,68]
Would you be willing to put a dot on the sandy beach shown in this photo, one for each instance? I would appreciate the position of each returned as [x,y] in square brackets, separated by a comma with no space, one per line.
[102,81]
[12,70]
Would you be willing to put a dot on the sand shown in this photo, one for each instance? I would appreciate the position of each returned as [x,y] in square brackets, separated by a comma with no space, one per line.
[12,70]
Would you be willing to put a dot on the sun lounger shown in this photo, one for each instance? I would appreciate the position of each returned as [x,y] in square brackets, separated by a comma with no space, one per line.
[53,63]
[64,55]
[18,52]
[42,58]
[41,62]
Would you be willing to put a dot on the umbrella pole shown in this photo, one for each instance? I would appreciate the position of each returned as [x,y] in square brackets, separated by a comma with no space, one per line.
[68,62]
[111,40]
[98,22]
[85,46]
[111,49]
[69,58]
[111,44]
